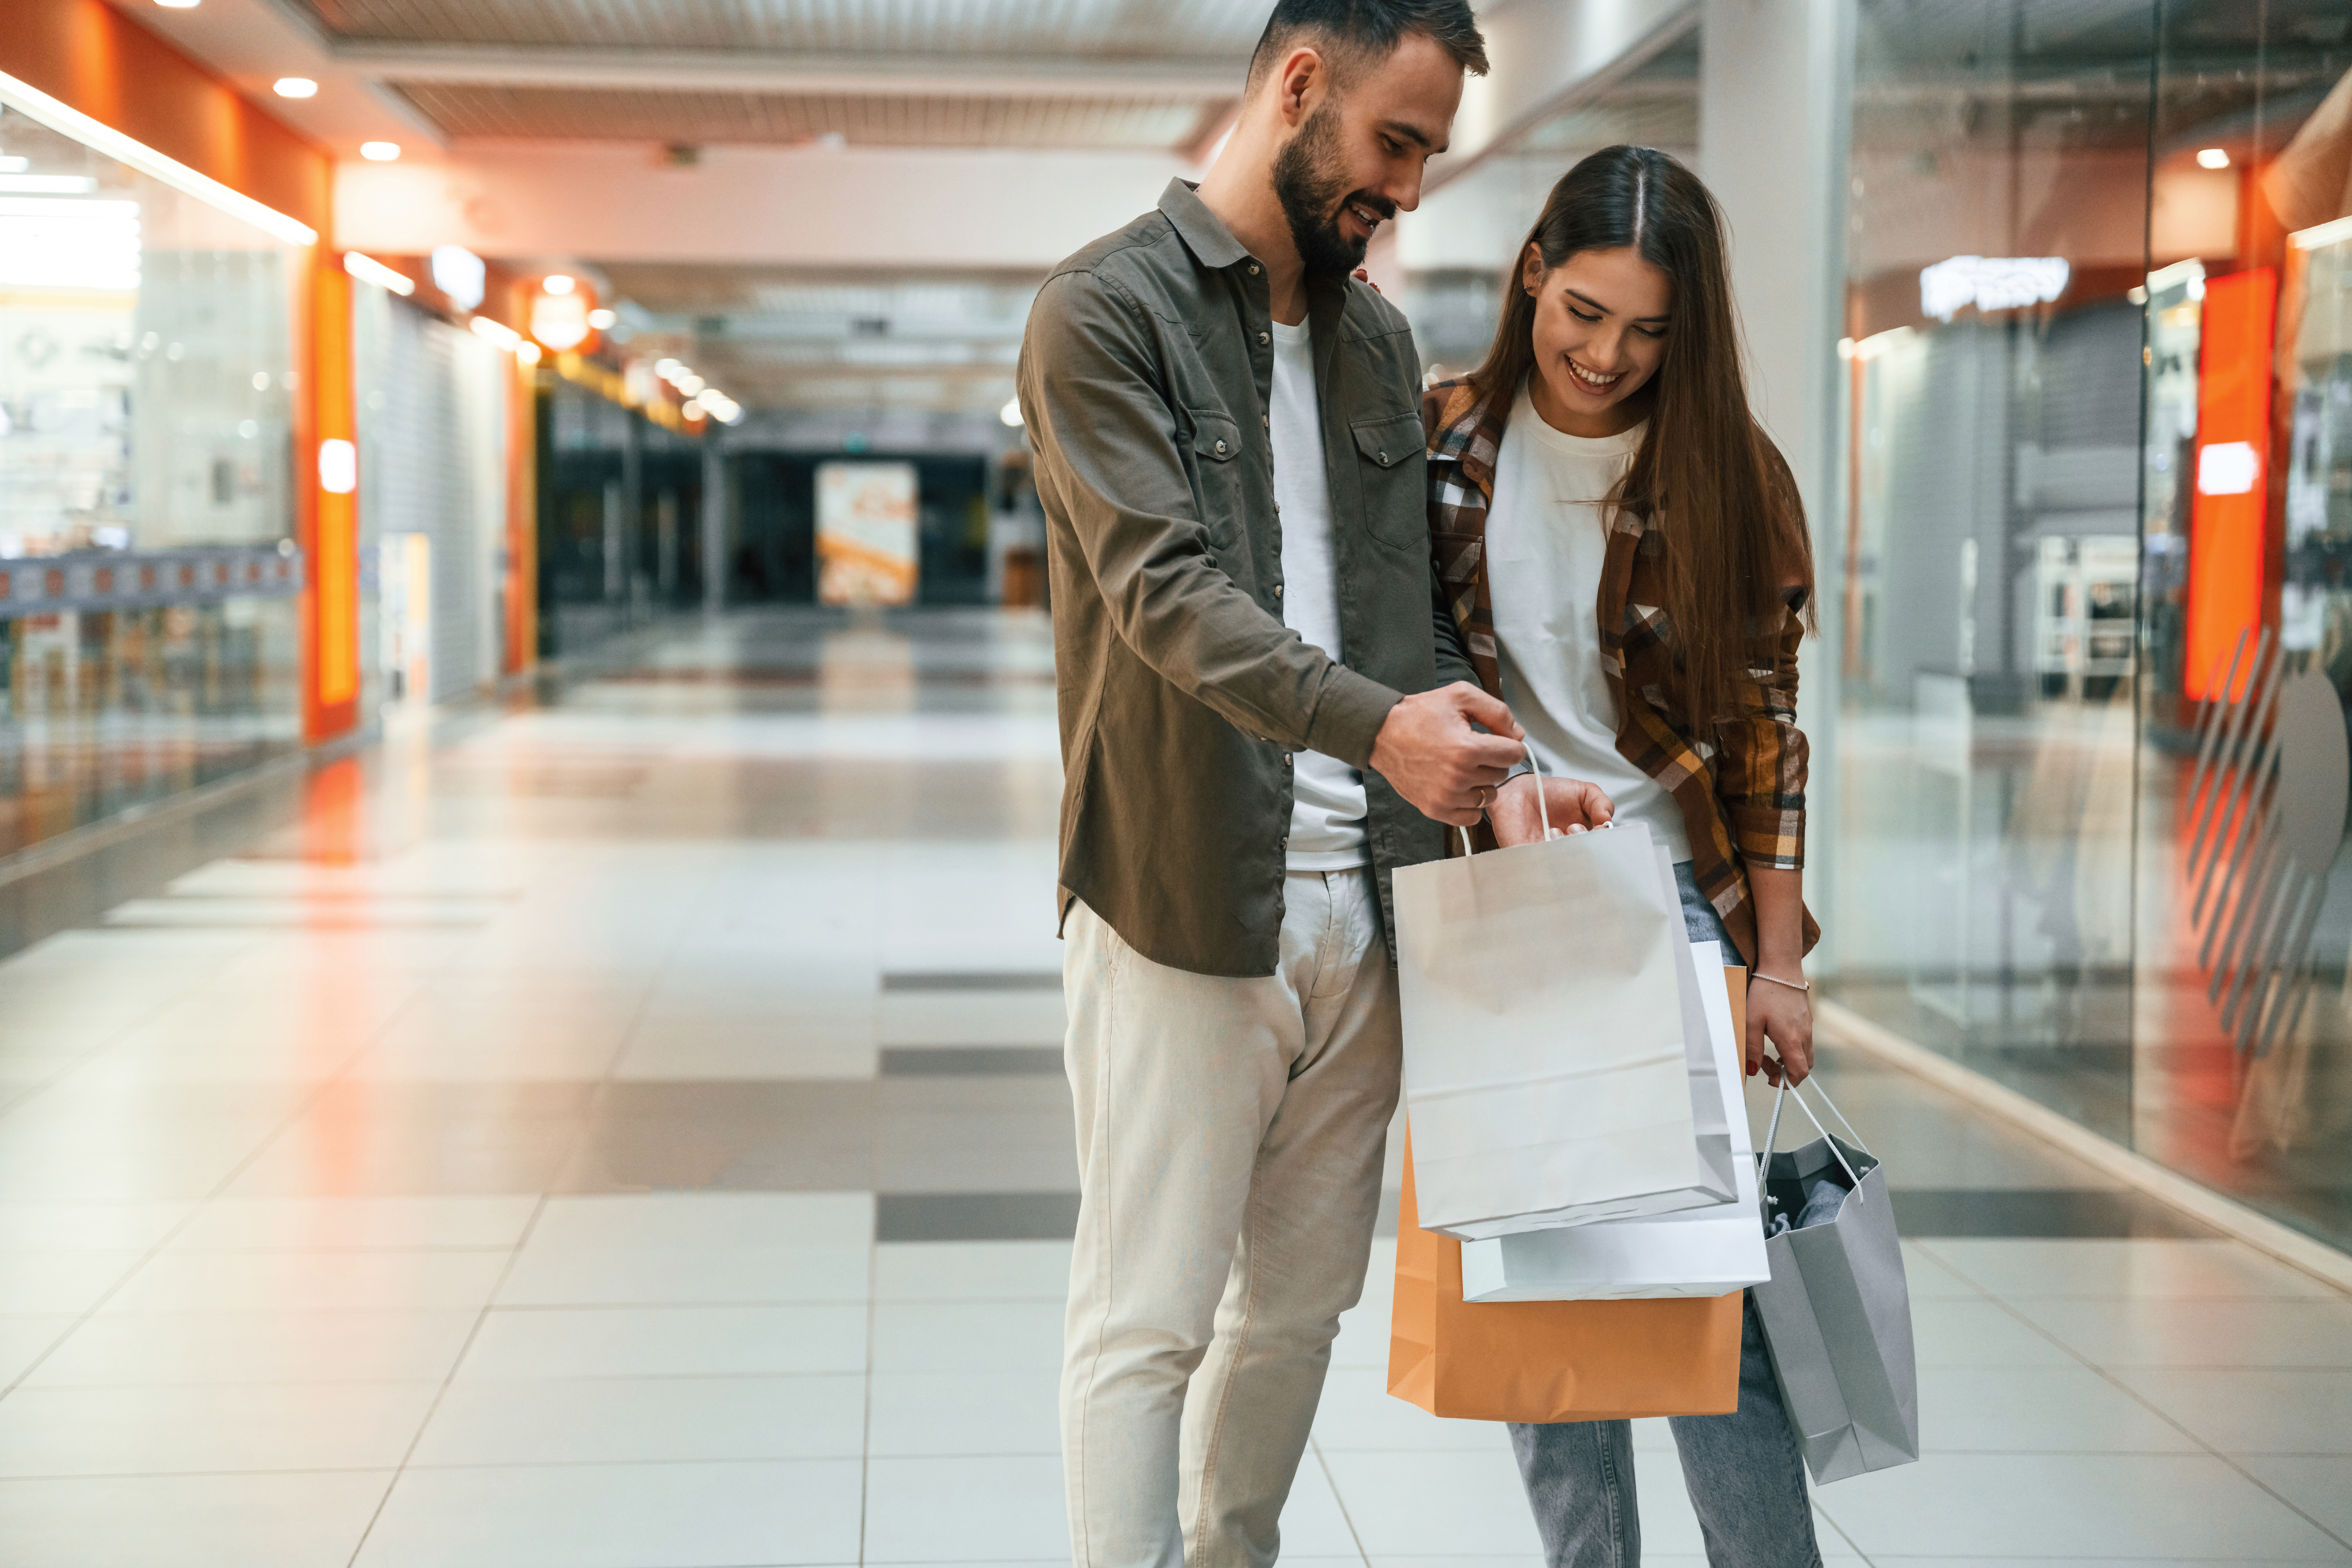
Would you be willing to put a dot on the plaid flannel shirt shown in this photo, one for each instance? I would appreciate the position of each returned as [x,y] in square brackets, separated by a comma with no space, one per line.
[1742,793]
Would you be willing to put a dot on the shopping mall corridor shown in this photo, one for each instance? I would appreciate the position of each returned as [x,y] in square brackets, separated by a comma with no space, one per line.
[625,1126]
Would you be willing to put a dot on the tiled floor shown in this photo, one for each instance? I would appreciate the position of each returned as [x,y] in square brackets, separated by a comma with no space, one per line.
[626,1130]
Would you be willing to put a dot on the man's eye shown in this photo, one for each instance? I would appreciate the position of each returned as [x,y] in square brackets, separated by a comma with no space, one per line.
[1395,149]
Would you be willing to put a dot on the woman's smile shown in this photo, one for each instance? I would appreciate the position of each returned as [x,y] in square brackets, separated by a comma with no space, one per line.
[1592,380]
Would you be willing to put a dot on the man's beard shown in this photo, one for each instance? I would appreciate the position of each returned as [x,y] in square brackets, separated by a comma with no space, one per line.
[1311,190]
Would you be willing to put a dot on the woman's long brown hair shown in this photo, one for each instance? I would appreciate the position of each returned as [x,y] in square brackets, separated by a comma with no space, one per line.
[1709,480]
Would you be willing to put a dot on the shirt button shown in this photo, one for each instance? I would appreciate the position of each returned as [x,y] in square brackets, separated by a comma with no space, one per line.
[1221,446]
[1253,268]
[1262,337]
[1277,590]
[1286,759]
[1384,457]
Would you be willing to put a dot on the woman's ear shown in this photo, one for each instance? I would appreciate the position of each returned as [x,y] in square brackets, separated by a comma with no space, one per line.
[1532,269]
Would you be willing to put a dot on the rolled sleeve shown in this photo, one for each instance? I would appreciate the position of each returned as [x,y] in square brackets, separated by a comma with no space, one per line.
[1761,772]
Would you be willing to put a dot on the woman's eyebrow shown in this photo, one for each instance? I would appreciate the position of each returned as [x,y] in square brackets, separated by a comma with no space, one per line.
[1605,310]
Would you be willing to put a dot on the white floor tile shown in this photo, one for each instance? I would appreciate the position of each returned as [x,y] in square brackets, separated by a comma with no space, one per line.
[965,1509]
[297,1224]
[2252,1410]
[166,1430]
[933,1414]
[2152,1507]
[86,1227]
[705,1219]
[967,1336]
[298,1520]
[972,1271]
[2161,1332]
[113,1348]
[1961,1333]
[176,1281]
[720,1274]
[666,1341]
[620,1516]
[625,1420]
[23,1336]
[2042,1409]
[1435,1505]
[2320,1485]
[2140,1267]
[1359,1416]
[64,1282]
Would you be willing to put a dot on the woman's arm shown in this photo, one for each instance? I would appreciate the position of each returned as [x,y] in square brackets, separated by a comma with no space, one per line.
[1777,1013]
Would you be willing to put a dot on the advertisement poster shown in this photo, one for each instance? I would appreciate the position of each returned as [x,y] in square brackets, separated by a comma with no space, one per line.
[866,534]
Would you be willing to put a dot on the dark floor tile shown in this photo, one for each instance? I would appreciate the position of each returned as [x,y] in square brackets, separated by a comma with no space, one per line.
[2039,1212]
[977,980]
[976,1216]
[765,1136]
[971,1061]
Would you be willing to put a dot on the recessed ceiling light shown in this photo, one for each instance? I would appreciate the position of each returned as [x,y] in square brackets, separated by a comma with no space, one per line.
[177,5]
[295,87]
[556,283]
[379,151]
[2214,158]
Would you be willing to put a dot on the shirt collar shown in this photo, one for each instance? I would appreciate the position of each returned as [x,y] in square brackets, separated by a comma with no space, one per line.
[1201,230]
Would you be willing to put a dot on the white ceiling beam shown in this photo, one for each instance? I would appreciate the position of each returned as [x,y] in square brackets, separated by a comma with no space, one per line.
[1550,57]
[743,70]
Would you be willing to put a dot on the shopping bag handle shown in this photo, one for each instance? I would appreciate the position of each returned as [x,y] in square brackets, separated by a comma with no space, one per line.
[1543,810]
[1773,1134]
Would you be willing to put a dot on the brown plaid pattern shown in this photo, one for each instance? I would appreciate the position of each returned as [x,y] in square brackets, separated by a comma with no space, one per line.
[1743,793]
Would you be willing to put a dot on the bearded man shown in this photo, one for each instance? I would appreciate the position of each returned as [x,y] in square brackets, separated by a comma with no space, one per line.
[1262,713]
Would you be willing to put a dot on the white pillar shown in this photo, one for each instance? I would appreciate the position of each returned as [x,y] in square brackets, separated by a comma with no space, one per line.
[1775,94]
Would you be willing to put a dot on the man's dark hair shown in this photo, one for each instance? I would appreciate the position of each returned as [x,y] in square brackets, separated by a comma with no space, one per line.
[1354,34]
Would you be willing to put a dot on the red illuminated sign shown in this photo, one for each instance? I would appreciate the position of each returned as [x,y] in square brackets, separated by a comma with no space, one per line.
[2230,480]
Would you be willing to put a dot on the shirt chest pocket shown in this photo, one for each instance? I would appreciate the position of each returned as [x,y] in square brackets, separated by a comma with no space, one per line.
[1392,466]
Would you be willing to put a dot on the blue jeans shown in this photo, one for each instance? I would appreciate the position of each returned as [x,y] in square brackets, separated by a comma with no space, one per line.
[1746,1476]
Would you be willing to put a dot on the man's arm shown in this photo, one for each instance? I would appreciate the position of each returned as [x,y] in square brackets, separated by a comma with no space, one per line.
[1108,443]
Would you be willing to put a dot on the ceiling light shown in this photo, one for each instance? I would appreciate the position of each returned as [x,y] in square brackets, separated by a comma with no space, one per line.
[689,384]
[177,5]
[557,283]
[1010,414]
[506,337]
[295,87]
[666,368]
[460,274]
[367,270]
[2214,158]
[380,152]
[14,166]
[601,319]
[527,352]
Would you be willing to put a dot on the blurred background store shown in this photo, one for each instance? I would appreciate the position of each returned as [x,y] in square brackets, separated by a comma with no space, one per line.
[361,357]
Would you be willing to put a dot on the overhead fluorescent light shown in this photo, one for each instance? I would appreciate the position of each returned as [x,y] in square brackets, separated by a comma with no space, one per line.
[460,274]
[36,105]
[1991,284]
[295,87]
[367,270]
[2214,158]
[54,242]
[380,152]
[506,337]
[558,283]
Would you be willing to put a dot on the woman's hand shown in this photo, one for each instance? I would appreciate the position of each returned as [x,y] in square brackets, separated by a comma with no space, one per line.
[1574,805]
[1785,1017]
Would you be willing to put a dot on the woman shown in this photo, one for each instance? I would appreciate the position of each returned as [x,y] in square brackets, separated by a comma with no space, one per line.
[1625,552]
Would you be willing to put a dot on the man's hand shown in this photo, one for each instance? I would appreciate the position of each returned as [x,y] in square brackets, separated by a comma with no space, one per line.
[1574,805]
[1430,755]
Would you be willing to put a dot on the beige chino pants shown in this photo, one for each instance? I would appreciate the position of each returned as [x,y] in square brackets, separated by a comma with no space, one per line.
[1230,1141]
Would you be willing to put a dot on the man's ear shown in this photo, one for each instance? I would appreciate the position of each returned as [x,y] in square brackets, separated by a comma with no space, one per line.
[1299,85]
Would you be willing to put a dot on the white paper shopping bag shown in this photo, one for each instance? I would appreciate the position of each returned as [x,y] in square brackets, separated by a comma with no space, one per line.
[1548,1062]
[1708,1251]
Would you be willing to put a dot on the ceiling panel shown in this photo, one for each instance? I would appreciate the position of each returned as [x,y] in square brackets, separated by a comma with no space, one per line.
[1123,28]
[614,114]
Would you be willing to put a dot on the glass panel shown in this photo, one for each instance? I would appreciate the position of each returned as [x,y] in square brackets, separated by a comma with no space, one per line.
[1979,895]
[2243,1050]
[147,618]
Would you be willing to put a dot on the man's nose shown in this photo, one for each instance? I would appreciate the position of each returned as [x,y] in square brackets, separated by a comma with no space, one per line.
[1404,190]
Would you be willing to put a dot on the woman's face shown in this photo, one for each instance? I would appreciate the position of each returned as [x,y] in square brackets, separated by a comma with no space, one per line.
[1599,334]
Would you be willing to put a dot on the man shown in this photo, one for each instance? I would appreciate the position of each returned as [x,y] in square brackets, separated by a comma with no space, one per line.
[1256,727]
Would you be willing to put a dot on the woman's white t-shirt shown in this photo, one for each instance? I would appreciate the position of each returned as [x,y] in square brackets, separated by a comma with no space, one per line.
[1547,537]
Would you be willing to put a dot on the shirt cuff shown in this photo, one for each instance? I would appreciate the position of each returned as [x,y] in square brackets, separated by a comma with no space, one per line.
[1348,720]
[1770,836]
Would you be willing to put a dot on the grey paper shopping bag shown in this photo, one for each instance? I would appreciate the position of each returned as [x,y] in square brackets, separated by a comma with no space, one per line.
[1837,1311]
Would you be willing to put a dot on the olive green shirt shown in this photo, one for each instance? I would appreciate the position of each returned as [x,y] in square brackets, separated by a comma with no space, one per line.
[1145,378]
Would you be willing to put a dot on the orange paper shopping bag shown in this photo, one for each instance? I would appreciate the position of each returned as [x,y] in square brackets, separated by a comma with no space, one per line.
[1550,1360]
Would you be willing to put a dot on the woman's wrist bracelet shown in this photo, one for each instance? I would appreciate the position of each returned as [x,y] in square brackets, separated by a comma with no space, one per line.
[1792,985]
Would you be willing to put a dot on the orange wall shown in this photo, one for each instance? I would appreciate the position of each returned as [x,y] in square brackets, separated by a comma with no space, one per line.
[97,60]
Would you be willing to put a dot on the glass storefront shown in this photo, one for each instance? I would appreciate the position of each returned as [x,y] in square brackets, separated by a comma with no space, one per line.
[147,566]
[2086,519]
[2096,491]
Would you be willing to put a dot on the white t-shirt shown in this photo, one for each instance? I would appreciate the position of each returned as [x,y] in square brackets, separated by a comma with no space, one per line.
[1327,812]
[1547,537]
